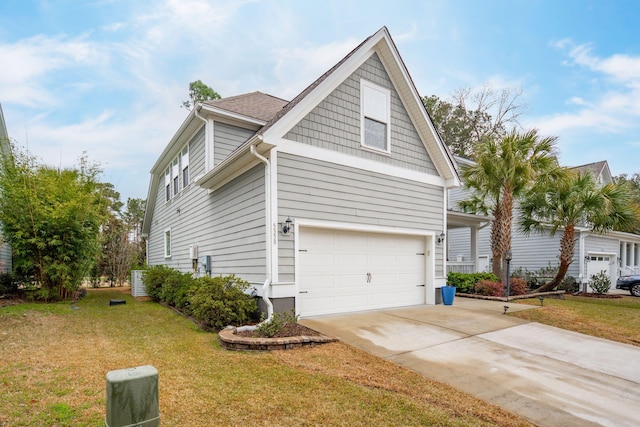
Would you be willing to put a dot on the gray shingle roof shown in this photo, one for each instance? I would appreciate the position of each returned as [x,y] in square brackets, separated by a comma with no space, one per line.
[594,168]
[257,105]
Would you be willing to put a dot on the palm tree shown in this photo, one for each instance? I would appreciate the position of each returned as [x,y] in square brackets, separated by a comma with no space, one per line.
[504,170]
[576,200]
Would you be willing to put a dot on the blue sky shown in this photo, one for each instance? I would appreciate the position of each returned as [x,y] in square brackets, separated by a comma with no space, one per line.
[108,76]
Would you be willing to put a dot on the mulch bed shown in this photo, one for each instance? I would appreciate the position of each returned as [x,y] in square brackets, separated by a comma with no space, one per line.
[290,330]
[594,295]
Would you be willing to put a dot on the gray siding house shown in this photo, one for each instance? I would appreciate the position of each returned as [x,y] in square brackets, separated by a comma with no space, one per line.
[6,257]
[616,253]
[332,202]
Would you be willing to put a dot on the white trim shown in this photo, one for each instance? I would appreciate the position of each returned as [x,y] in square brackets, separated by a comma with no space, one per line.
[445,244]
[322,154]
[320,92]
[366,228]
[184,163]
[430,236]
[209,145]
[384,117]
[275,272]
[164,241]
[232,118]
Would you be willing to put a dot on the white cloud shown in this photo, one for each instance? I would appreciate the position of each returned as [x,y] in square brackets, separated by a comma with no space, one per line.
[614,109]
[31,60]
[296,68]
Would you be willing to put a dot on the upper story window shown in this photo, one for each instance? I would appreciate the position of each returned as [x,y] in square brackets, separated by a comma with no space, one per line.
[375,116]
[167,184]
[175,172]
[176,176]
[184,164]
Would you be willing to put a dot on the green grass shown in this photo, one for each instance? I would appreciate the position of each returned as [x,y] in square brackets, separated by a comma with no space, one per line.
[53,362]
[616,319]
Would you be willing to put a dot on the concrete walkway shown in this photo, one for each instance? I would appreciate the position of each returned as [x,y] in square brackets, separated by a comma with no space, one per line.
[550,376]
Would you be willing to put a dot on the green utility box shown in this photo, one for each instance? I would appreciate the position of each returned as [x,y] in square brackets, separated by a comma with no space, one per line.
[132,397]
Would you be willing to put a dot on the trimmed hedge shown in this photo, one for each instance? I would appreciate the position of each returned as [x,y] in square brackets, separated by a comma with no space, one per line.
[221,301]
[466,282]
[214,301]
[485,284]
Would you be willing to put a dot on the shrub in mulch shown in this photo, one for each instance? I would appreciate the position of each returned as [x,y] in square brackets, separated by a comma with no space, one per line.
[596,295]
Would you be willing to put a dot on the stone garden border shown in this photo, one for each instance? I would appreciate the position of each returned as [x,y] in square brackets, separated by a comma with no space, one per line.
[231,341]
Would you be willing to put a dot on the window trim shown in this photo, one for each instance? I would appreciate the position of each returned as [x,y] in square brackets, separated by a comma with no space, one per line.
[167,183]
[184,166]
[384,119]
[167,233]
[175,175]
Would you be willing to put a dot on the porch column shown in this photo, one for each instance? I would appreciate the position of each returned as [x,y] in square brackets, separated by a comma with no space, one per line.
[474,247]
[623,254]
[632,255]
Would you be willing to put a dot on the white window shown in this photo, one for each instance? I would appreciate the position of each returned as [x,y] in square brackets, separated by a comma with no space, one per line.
[184,164]
[167,184]
[167,243]
[375,116]
[175,171]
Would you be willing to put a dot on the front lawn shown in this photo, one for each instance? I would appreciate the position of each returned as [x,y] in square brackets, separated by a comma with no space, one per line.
[54,358]
[616,319]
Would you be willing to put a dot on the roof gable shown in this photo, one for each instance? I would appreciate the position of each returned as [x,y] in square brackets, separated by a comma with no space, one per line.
[381,44]
[599,170]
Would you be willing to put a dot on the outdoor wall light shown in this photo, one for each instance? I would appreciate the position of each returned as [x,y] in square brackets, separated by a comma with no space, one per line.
[441,237]
[286,227]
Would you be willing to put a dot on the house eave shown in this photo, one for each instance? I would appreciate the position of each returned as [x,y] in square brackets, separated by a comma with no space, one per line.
[231,117]
[235,165]
[457,219]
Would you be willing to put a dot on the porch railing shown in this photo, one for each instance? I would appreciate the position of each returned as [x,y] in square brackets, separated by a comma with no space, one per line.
[461,267]
[628,271]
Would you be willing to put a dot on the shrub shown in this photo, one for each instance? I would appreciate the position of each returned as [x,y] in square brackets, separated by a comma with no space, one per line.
[466,282]
[600,282]
[7,284]
[175,290]
[489,288]
[569,284]
[278,322]
[221,301]
[535,278]
[517,286]
[154,278]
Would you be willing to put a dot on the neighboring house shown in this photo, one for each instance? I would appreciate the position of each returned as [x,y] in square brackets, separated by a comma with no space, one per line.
[6,262]
[332,202]
[615,252]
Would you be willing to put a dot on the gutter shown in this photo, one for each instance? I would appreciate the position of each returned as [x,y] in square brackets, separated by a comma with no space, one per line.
[266,287]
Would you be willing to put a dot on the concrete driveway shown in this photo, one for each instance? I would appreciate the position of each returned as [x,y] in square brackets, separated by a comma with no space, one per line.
[550,376]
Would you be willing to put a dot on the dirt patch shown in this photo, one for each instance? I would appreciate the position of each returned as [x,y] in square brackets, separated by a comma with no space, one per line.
[6,301]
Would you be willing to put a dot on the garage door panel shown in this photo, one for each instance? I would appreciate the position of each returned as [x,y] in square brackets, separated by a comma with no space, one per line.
[383,260]
[316,260]
[350,281]
[351,260]
[319,281]
[343,271]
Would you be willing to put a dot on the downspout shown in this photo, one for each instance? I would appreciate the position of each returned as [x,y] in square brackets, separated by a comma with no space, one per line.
[267,189]
[208,140]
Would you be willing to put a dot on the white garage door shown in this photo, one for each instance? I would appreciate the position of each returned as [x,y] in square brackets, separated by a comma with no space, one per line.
[598,263]
[343,271]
